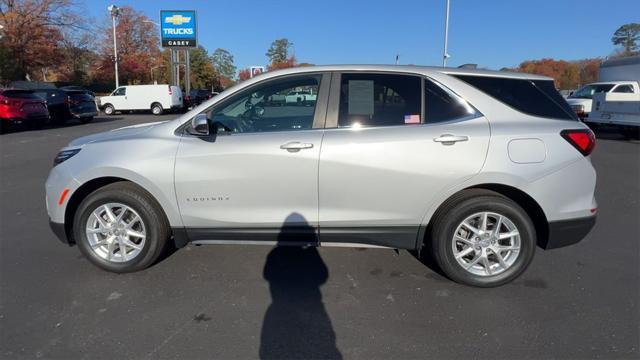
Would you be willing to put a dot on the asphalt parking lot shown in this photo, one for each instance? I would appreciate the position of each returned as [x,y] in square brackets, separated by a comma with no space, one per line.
[249,302]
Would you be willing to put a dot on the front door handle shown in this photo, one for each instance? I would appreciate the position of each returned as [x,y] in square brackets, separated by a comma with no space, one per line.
[294,146]
[448,139]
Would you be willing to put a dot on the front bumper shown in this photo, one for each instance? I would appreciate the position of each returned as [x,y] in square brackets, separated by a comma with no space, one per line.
[568,232]
[59,231]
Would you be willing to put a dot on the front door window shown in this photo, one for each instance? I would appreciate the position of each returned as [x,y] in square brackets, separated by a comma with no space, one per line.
[281,105]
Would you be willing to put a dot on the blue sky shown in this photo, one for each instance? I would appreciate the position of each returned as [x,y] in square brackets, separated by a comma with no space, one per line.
[491,33]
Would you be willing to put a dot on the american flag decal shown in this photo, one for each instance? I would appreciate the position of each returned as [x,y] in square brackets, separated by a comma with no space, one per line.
[412,119]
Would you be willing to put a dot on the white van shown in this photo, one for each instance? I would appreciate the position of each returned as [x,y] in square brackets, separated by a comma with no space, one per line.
[156,98]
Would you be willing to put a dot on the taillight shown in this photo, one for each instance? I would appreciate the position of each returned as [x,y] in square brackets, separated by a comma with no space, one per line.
[582,139]
[170,91]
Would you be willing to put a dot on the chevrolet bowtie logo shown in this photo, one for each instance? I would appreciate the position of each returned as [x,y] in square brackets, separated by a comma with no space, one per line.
[177,19]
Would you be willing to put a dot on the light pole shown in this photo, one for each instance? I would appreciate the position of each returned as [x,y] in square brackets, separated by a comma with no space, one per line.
[153,68]
[115,11]
[445,54]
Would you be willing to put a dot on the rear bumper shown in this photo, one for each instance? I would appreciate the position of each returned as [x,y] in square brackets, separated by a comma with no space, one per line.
[59,231]
[79,115]
[25,120]
[568,232]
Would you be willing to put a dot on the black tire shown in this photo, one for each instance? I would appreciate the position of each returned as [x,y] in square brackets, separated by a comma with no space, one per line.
[156,225]
[466,204]
[109,110]
[156,109]
[86,120]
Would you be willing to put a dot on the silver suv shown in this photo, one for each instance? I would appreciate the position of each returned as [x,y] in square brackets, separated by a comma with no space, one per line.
[472,168]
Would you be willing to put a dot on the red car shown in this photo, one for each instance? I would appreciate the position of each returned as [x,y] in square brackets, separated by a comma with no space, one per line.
[22,107]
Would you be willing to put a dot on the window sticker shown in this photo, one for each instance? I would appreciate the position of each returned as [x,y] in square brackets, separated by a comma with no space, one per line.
[361,97]
[412,119]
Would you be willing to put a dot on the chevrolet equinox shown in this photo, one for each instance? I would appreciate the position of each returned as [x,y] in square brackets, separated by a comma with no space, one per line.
[472,168]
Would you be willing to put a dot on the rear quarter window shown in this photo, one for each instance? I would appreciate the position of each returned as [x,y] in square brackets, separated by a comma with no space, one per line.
[532,97]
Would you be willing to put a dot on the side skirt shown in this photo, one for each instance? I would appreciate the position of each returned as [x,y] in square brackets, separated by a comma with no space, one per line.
[394,237]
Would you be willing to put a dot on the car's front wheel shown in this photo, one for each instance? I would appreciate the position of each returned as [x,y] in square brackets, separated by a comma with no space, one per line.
[483,239]
[121,228]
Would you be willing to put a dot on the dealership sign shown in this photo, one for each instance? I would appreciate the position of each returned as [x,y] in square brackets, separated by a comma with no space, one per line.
[178,28]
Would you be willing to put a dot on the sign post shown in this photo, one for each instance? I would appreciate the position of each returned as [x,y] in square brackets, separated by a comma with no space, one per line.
[178,31]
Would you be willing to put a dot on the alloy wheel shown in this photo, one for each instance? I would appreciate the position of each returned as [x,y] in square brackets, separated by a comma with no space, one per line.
[116,232]
[486,243]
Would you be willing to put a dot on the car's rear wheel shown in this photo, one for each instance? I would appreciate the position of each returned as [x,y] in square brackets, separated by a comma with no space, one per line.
[156,109]
[483,239]
[109,109]
[121,228]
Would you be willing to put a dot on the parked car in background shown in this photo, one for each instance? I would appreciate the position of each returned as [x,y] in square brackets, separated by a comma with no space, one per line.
[81,105]
[19,106]
[196,97]
[471,168]
[156,98]
[581,99]
[56,103]
[64,105]
[300,97]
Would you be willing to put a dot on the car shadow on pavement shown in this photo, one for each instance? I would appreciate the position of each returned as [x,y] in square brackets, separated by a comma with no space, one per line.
[296,324]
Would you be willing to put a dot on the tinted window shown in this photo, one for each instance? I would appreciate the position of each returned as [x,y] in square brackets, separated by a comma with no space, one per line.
[442,105]
[20,94]
[379,100]
[623,89]
[537,98]
[269,107]
[120,92]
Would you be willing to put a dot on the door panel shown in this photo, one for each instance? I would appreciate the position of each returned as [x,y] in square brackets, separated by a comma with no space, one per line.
[247,180]
[377,182]
[257,179]
[388,176]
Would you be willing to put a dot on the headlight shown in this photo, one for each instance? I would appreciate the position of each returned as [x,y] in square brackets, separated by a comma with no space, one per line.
[64,155]
[577,107]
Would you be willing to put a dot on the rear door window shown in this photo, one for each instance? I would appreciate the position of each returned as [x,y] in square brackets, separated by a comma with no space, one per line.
[533,97]
[379,100]
[443,105]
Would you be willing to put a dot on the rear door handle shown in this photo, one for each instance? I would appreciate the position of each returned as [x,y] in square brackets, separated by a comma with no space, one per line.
[294,146]
[448,139]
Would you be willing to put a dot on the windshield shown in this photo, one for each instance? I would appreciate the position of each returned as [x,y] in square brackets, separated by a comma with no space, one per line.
[587,91]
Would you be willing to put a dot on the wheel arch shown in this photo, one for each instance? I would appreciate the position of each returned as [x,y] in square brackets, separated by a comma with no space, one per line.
[528,203]
[87,188]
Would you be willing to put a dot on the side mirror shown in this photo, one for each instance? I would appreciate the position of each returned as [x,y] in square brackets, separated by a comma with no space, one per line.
[200,125]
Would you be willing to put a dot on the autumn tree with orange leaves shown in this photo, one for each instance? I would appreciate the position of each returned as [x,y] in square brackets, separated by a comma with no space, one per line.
[32,36]
[567,74]
[138,48]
